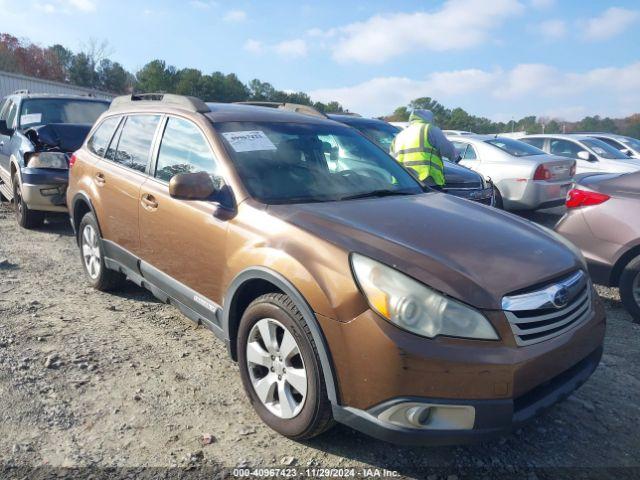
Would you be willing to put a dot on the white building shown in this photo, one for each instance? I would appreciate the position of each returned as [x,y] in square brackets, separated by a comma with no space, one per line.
[11,82]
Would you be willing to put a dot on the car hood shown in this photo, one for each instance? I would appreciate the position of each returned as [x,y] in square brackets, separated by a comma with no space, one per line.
[457,176]
[471,252]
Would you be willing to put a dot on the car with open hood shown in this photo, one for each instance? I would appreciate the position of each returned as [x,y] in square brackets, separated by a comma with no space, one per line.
[38,132]
[351,294]
[459,181]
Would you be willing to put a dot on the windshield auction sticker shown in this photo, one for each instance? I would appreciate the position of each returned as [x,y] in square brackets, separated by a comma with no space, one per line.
[249,141]
[30,118]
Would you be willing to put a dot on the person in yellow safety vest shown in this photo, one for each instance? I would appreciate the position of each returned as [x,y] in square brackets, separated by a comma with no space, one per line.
[421,146]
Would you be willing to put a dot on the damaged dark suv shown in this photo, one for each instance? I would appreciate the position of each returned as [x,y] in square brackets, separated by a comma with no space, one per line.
[38,132]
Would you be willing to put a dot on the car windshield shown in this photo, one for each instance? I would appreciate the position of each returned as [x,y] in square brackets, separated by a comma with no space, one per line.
[604,150]
[43,111]
[382,133]
[631,143]
[282,162]
[514,147]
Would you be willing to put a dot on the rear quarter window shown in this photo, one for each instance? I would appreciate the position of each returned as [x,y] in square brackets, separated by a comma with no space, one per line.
[100,139]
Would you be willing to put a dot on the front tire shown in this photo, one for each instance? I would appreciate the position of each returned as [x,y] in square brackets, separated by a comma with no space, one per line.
[25,217]
[280,368]
[92,255]
[630,288]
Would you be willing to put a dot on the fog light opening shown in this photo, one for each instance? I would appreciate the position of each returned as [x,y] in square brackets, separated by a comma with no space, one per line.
[419,416]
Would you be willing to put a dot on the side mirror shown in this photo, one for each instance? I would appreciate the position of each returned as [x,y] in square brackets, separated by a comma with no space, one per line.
[4,129]
[627,152]
[584,155]
[192,186]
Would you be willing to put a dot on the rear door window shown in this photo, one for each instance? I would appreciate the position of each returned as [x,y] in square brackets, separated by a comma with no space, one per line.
[565,148]
[134,144]
[536,142]
[100,139]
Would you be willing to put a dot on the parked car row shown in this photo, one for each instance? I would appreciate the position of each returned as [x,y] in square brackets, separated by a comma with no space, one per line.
[345,288]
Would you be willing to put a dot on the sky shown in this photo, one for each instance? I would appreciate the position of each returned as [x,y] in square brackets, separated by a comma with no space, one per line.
[497,58]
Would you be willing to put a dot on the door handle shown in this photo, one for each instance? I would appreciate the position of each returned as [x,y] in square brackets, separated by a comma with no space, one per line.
[1,143]
[149,202]
[99,178]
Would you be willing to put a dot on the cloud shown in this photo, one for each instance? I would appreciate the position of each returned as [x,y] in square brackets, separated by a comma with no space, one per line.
[289,49]
[612,22]
[82,5]
[253,46]
[235,16]
[532,85]
[458,24]
[552,29]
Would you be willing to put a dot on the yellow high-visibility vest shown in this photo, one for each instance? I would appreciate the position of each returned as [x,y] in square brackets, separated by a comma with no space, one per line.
[412,149]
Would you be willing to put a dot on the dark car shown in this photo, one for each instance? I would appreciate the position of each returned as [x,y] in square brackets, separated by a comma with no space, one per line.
[602,219]
[460,181]
[37,134]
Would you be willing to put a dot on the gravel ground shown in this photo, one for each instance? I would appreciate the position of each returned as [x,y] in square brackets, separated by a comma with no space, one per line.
[98,380]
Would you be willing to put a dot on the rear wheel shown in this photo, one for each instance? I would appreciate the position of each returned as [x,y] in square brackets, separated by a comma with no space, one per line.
[280,369]
[630,288]
[92,254]
[25,217]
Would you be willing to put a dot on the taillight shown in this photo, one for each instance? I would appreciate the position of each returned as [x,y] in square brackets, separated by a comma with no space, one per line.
[583,198]
[72,160]
[542,173]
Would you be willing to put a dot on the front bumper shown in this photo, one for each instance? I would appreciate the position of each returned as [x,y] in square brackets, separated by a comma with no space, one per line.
[492,417]
[485,196]
[377,365]
[45,189]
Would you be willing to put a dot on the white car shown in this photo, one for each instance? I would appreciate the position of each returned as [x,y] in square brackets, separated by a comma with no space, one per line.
[628,145]
[457,132]
[526,178]
[591,155]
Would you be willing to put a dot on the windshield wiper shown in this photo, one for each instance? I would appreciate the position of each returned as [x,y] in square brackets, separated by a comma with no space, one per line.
[375,193]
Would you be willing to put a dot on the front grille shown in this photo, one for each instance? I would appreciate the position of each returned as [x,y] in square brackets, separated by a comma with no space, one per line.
[536,316]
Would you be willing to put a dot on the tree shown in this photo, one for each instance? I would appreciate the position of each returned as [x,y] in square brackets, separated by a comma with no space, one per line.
[82,71]
[112,77]
[156,76]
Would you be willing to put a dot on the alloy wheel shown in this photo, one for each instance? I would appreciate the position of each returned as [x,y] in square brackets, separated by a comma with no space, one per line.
[276,368]
[91,251]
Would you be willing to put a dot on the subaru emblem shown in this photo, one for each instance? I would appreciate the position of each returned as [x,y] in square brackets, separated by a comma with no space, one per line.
[561,297]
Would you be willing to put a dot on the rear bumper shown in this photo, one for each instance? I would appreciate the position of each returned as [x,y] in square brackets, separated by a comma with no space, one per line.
[492,417]
[45,189]
[536,194]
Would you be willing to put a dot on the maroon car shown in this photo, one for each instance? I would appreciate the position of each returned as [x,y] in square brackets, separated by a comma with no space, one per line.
[603,220]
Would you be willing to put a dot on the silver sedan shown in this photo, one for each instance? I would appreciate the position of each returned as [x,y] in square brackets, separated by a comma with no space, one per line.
[526,177]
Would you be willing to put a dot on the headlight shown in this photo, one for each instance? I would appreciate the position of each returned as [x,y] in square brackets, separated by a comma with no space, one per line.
[415,307]
[55,160]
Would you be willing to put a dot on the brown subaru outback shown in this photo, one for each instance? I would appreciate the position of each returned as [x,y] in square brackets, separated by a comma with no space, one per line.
[343,288]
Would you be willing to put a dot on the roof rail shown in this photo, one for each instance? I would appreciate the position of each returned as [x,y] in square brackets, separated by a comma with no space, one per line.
[292,107]
[22,91]
[188,103]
